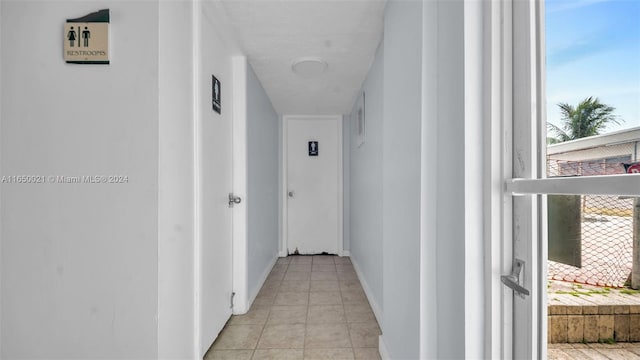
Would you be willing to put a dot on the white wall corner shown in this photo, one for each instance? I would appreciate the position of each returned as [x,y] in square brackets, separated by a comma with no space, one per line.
[254,292]
[340,185]
[197,184]
[377,310]
[346,179]
[346,253]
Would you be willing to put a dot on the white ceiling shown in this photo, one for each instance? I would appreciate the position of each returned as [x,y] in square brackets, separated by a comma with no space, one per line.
[345,33]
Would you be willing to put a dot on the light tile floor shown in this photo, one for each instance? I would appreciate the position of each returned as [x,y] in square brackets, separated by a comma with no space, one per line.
[310,307]
[622,351]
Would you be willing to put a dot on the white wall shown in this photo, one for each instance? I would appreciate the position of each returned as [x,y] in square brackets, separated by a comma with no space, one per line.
[431,243]
[281,250]
[386,182]
[79,261]
[346,183]
[101,271]
[448,119]
[176,201]
[365,188]
[263,131]
[401,177]
[452,190]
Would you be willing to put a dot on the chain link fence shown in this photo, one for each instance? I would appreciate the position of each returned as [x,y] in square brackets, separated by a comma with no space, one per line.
[606,221]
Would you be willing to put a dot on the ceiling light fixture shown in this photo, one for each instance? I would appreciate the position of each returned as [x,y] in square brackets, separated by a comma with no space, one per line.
[309,67]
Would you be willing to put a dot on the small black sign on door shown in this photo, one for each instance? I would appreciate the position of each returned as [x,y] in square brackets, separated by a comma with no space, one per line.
[215,93]
[313,148]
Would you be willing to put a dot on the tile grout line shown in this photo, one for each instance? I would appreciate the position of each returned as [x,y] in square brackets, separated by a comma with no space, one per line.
[308,291]
[353,351]
[264,326]
[306,322]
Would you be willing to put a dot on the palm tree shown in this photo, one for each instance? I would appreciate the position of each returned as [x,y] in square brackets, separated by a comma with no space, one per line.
[587,119]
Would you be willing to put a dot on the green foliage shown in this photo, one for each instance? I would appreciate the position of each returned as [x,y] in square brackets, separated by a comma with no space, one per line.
[589,118]
[607,341]
[629,291]
[577,292]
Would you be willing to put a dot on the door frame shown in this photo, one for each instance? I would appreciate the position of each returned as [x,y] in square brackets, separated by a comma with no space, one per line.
[285,181]
[527,153]
[512,90]
[239,232]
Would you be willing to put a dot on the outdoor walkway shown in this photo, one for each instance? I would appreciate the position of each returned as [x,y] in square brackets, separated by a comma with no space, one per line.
[619,351]
[310,307]
[573,294]
[584,312]
[589,314]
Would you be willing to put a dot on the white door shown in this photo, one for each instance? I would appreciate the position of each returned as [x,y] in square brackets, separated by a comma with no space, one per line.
[313,178]
[216,225]
[215,138]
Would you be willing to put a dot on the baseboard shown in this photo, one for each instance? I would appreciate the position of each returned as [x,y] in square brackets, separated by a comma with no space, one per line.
[283,253]
[377,311]
[263,278]
[382,349]
[346,253]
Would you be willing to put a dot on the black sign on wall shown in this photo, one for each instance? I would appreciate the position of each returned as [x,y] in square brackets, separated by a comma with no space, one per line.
[216,89]
[313,148]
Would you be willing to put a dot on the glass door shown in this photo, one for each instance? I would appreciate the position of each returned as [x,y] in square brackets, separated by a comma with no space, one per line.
[530,186]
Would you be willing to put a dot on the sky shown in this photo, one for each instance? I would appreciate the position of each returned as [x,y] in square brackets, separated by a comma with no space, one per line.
[593,49]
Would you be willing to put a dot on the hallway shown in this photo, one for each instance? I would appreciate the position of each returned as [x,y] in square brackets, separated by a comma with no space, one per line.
[310,307]
[186,130]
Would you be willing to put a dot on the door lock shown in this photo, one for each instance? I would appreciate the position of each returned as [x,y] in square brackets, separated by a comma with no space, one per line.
[291,194]
[513,280]
[234,200]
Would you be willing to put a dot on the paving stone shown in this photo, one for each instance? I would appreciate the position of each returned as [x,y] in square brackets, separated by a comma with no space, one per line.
[574,310]
[621,328]
[605,310]
[589,310]
[605,327]
[620,309]
[634,327]
[557,329]
[575,328]
[590,331]
[557,310]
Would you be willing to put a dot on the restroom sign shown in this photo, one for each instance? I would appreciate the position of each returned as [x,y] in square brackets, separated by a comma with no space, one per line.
[313,148]
[86,39]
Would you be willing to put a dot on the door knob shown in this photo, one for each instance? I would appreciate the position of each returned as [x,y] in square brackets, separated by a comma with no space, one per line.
[234,200]
[291,194]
